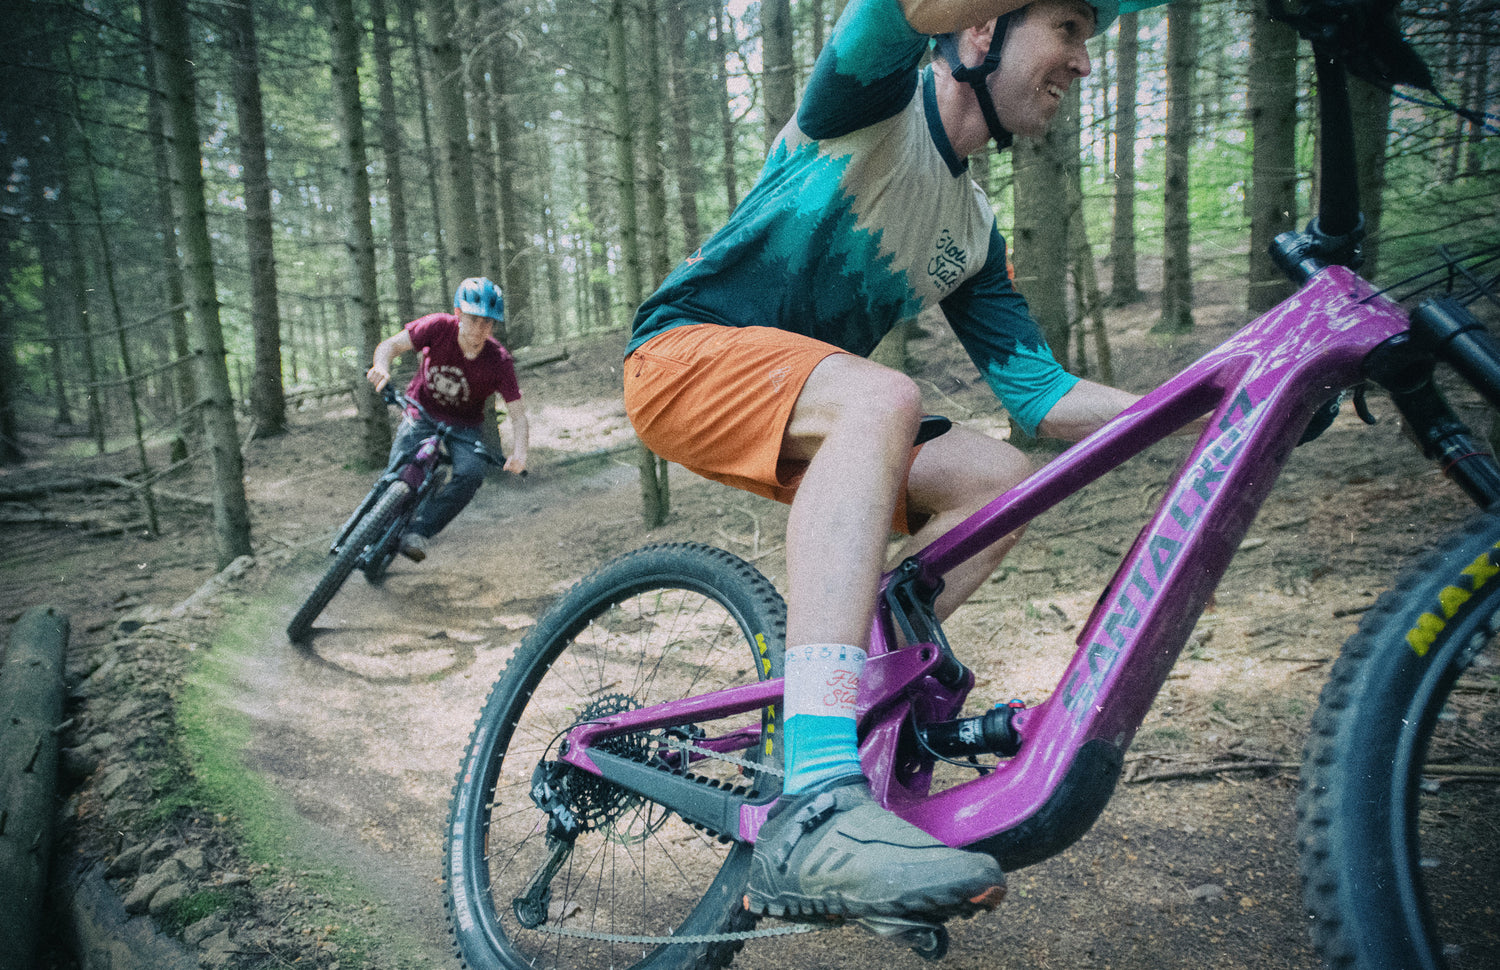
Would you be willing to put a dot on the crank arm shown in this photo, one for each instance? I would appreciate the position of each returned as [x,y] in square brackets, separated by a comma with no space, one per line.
[928,940]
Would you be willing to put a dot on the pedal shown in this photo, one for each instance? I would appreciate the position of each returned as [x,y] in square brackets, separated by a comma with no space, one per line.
[928,940]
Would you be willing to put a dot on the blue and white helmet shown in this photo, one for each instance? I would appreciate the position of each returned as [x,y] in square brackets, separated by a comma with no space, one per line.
[481,297]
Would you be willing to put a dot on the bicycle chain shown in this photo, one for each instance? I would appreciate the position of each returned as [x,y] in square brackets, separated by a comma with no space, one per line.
[755,766]
[784,929]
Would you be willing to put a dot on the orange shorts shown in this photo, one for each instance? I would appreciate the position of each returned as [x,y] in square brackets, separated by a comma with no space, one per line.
[716,400]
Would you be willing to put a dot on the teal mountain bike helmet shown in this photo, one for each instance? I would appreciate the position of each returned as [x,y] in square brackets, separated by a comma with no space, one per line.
[481,297]
[1105,12]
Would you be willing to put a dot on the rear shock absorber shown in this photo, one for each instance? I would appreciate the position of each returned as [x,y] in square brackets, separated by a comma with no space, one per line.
[992,732]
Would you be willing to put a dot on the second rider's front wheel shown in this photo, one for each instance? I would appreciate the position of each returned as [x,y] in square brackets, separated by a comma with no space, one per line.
[368,530]
[1399,815]
[659,624]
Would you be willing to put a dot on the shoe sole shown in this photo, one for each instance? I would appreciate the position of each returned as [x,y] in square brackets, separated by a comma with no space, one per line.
[793,907]
[415,555]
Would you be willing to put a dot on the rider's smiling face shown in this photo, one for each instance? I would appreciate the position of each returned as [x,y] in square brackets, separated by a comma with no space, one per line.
[1044,54]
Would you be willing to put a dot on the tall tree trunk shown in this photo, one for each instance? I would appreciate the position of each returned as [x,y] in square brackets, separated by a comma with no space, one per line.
[32,127]
[16,150]
[726,117]
[1182,64]
[1371,107]
[653,471]
[10,424]
[487,158]
[1273,160]
[359,236]
[1125,287]
[651,132]
[520,254]
[422,74]
[681,100]
[112,291]
[188,424]
[1040,253]
[391,148]
[552,242]
[780,84]
[79,279]
[53,255]
[596,258]
[267,396]
[175,69]
[1087,299]
[460,209]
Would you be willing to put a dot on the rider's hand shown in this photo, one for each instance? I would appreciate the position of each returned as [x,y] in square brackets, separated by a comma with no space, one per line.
[378,376]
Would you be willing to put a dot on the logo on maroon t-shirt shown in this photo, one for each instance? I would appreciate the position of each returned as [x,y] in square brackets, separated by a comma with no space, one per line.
[448,385]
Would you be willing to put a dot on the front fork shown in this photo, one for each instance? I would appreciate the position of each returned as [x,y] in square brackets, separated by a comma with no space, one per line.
[1443,331]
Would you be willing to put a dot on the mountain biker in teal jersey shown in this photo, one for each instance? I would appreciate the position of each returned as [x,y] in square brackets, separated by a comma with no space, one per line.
[747,366]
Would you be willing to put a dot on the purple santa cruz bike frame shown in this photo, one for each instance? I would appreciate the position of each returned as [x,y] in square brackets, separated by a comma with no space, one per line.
[1260,389]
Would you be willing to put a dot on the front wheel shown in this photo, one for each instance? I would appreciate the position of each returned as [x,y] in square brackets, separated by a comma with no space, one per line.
[1399,813]
[659,624]
[368,530]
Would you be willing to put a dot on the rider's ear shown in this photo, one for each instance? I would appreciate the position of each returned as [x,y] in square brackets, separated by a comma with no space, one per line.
[980,38]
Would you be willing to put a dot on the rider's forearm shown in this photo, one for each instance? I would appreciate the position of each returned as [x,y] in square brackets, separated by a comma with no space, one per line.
[384,357]
[943,16]
[1083,410]
[521,432]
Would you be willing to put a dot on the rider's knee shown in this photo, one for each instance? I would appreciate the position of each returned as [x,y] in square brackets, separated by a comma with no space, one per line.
[892,400]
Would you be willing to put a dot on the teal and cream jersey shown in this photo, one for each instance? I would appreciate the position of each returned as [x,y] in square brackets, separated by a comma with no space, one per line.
[864,216]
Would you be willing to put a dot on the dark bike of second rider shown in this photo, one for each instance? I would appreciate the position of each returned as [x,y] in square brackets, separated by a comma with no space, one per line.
[462,366]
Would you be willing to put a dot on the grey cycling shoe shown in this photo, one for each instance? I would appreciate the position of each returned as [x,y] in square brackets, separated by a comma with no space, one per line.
[833,851]
[414,546]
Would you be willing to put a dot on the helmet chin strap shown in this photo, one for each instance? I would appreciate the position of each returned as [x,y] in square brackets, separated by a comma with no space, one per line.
[978,75]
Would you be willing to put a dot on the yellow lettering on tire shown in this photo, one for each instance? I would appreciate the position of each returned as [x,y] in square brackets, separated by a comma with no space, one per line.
[1450,600]
[1421,636]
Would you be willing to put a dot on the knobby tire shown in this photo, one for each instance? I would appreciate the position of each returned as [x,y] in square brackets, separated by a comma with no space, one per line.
[378,563]
[1399,810]
[360,537]
[657,624]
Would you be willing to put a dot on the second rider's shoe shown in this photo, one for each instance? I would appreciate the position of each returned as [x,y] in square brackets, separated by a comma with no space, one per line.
[831,850]
[414,546]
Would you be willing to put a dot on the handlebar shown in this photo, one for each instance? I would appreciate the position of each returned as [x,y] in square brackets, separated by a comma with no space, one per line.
[1360,37]
[445,431]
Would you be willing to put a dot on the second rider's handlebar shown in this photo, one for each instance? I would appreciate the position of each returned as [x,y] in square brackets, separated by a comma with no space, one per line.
[394,397]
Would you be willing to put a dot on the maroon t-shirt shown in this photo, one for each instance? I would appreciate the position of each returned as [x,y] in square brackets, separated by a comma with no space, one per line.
[451,387]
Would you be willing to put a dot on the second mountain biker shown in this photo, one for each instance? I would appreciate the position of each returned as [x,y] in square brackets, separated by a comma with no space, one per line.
[462,365]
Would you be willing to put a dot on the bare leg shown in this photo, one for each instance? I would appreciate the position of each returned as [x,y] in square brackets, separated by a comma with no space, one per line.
[955,476]
[854,422]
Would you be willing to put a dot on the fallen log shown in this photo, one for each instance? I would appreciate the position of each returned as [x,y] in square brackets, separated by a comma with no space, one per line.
[31,708]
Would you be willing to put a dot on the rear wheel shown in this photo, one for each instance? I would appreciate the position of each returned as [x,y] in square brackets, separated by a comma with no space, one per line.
[1399,815]
[658,624]
[369,529]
